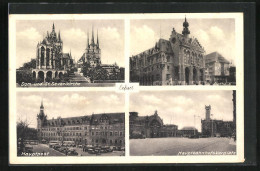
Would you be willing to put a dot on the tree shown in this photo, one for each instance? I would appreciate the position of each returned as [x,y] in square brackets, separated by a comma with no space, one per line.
[94,73]
[24,133]
[24,76]
[29,65]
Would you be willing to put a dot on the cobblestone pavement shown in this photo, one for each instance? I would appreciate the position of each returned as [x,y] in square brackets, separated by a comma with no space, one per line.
[173,146]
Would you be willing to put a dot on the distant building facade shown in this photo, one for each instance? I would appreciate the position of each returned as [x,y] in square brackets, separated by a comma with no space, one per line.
[232,74]
[150,126]
[51,62]
[213,127]
[187,132]
[92,57]
[177,61]
[96,129]
[218,67]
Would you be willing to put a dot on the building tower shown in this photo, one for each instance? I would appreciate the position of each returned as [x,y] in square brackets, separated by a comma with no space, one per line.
[185,30]
[208,108]
[41,120]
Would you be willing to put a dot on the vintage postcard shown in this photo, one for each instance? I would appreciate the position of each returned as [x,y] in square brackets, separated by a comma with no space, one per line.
[126,88]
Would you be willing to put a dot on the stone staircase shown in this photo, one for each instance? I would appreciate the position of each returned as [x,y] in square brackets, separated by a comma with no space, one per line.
[75,77]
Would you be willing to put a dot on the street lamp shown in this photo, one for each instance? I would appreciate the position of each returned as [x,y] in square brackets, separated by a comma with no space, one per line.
[211,126]
[194,122]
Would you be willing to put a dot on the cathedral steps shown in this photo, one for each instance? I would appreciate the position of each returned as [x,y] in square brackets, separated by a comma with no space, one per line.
[75,77]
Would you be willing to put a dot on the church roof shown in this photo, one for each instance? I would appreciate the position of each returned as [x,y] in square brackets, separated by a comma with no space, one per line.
[215,56]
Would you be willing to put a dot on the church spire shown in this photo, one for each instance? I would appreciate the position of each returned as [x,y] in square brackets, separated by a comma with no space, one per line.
[97,39]
[88,41]
[59,36]
[185,30]
[42,105]
[53,27]
[92,39]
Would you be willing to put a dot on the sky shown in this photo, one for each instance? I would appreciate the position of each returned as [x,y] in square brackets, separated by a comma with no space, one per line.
[66,104]
[213,34]
[74,36]
[179,107]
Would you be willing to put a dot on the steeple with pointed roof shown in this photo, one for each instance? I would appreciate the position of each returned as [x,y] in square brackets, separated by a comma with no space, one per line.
[53,27]
[88,41]
[92,39]
[97,40]
[59,38]
[42,107]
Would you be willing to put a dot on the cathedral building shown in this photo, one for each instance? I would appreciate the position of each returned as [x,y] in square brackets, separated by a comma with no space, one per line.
[150,126]
[213,127]
[179,60]
[51,62]
[92,57]
[107,129]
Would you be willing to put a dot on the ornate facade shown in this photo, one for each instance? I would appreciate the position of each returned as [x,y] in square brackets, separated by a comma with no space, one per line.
[150,126]
[106,129]
[51,62]
[179,60]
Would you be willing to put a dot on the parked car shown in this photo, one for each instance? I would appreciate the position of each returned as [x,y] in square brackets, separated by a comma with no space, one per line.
[52,143]
[62,149]
[28,148]
[56,146]
[91,151]
[118,148]
[109,149]
[72,152]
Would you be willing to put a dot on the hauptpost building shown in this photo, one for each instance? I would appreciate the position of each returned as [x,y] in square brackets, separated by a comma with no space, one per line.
[107,129]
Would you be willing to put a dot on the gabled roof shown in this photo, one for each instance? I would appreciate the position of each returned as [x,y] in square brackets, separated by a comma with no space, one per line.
[190,41]
[92,119]
[215,56]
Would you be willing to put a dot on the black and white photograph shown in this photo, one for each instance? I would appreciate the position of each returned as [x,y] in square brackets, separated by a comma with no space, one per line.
[70,124]
[130,88]
[183,123]
[183,51]
[69,53]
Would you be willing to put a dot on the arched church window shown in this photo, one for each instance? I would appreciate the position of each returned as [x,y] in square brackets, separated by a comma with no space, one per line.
[42,55]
